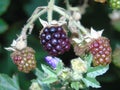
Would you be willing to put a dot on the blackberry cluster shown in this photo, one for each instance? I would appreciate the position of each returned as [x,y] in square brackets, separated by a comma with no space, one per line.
[24,59]
[101,51]
[55,40]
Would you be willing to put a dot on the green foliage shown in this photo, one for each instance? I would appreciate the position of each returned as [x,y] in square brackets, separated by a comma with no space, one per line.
[4,5]
[96,71]
[75,85]
[3,26]
[89,59]
[116,25]
[7,83]
[91,82]
[31,6]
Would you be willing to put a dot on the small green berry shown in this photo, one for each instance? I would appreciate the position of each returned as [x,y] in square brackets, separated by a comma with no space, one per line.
[115,4]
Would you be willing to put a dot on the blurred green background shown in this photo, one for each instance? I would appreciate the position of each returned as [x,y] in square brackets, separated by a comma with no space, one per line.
[13,16]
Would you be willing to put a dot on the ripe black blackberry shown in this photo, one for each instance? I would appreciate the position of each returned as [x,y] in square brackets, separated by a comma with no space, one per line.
[24,59]
[101,51]
[54,40]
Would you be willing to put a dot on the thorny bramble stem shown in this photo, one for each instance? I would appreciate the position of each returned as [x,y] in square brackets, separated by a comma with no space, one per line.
[50,10]
[42,10]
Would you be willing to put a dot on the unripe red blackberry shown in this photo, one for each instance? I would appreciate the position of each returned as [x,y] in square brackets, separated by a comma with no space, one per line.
[54,40]
[115,4]
[24,59]
[101,51]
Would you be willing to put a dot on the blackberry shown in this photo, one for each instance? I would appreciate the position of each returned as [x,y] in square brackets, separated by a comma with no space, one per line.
[24,59]
[54,40]
[101,51]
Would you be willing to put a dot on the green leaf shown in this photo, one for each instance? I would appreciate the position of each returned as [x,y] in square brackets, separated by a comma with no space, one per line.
[31,6]
[4,5]
[89,59]
[91,82]
[49,80]
[43,85]
[75,85]
[7,83]
[49,71]
[96,71]
[15,80]
[3,26]
[39,74]
[59,67]
[116,25]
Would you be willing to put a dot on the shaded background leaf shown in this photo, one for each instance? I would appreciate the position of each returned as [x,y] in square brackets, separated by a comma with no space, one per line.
[7,83]
[4,5]
[3,26]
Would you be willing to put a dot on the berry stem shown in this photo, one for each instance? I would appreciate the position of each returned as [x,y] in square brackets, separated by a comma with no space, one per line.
[50,10]
[33,18]
[63,13]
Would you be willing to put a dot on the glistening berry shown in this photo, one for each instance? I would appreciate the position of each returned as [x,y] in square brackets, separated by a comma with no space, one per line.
[54,40]
[101,51]
[24,59]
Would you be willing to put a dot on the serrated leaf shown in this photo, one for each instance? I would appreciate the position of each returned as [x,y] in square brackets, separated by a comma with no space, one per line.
[48,70]
[59,66]
[75,85]
[91,82]
[89,59]
[43,85]
[49,80]
[39,74]
[7,83]
[3,26]
[96,71]
[15,80]
[4,5]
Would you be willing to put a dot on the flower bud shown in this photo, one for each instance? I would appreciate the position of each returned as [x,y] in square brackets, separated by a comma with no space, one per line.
[78,65]
[64,74]
[52,61]
[35,86]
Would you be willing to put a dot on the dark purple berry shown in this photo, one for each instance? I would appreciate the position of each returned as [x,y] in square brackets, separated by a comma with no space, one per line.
[63,35]
[60,29]
[56,35]
[43,41]
[63,43]
[48,46]
[58,47]
[43,35]
[46,30]
[48,37]
[67,47]
[53,30]
[55,40]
